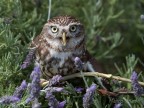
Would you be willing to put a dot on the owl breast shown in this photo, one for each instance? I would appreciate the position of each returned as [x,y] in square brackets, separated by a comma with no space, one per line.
[55,62]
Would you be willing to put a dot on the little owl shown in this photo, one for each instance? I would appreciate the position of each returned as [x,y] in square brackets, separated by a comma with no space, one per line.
[61,40]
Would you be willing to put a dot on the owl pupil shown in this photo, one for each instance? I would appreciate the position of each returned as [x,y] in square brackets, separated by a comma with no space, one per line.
[73,28]
[54,29]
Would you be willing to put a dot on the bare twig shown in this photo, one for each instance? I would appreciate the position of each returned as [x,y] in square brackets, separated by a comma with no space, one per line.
[109,76]
[49,9]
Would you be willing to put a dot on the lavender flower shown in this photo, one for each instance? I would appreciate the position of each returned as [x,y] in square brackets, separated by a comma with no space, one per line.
[88,97]
[61,104]
[55,89]
[9,99]
[36,104]
[134,77]
[35,73]
[136,86]
[17,95]
[28,59]
[79,89]
[19,90]
[55,79]
[118,105]
[53,102]
[78,63]
[35,84]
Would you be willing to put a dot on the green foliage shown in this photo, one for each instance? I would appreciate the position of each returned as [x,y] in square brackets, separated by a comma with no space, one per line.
[113,31]
[10,53]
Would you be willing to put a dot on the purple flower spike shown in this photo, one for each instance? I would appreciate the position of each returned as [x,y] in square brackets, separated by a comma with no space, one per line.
[136,86]
[78,63]
[88,97]
[79,89]
[36,104]
[28,59]
[134,77]
[17,95]
[55,79]
[61,104]
[59,89]
[118,105]
[53,102]
[23,84]
[56,89]
[19,90]
[29,99]
[92,88]
[35,73]
[35,84]
[9,99]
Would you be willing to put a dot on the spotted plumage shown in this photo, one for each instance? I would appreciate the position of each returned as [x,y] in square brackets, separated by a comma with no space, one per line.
[61,40]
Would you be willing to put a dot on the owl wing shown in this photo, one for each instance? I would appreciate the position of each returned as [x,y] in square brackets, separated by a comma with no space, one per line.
[35,42]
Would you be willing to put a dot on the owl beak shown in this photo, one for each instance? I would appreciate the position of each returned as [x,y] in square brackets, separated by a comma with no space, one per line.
[64,38]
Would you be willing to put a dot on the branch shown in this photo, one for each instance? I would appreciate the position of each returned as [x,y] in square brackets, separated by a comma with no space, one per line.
[109,76]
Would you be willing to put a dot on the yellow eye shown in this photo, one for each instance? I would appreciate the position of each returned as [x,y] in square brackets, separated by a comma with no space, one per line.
[73,28]
[54,29]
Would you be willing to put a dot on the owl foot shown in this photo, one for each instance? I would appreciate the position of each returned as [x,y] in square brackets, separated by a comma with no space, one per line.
[43,82]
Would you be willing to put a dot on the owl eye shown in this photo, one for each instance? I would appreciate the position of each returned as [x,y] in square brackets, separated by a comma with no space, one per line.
[54,29]
[73,28]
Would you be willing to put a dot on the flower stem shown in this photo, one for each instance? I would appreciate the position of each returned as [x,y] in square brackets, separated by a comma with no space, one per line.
[84,78]
[49,10]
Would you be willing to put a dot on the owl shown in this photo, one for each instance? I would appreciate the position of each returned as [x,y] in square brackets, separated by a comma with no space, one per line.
[61,40]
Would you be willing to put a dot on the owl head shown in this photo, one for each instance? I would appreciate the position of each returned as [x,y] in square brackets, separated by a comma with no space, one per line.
[64,32]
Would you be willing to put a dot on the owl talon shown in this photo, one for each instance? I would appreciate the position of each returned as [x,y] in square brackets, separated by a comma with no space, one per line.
[44,82]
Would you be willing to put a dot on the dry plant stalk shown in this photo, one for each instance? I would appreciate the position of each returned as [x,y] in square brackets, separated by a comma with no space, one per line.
[109,76]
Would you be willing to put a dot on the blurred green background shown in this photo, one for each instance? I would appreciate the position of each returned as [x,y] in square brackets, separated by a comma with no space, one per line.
[113,28]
